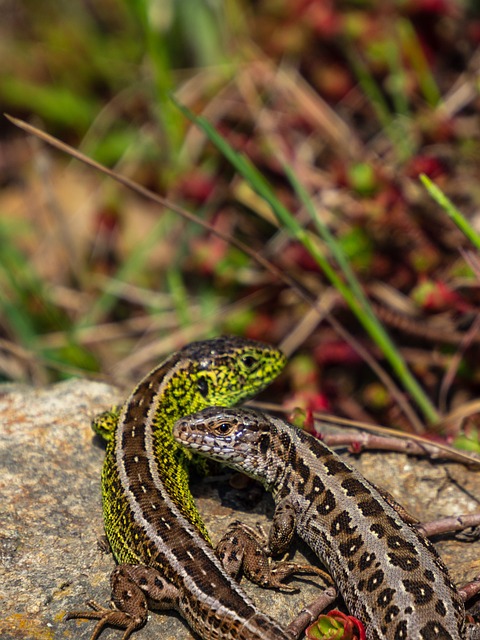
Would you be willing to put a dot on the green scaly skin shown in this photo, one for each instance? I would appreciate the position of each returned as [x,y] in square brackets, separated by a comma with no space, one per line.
[106,422]
[223,371]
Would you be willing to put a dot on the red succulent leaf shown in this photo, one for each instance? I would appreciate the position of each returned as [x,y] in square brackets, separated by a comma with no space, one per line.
[336,625]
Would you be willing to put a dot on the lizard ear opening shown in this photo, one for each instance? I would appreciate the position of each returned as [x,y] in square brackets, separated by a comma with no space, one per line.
[202,386]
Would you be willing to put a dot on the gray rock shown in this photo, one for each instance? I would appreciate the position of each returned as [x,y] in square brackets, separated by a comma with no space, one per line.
[51,518]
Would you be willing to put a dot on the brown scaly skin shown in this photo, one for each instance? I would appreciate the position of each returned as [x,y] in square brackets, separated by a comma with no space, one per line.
[151,522]
[390,577]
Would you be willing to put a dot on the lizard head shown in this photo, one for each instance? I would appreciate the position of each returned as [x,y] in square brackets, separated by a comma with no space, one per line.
[236,437]
[229,369]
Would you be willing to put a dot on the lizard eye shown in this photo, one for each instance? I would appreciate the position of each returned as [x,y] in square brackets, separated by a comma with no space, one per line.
[249,361]
[202,386]
[223,428]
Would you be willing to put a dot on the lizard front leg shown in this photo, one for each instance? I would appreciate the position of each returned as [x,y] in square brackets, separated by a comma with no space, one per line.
[243,549]
[105,423]
[135,589]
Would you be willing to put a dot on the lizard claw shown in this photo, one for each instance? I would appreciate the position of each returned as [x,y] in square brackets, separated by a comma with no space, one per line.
[106,616]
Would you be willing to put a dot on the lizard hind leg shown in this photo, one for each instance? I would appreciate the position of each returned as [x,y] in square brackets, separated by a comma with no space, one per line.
[107,617]
[135,588]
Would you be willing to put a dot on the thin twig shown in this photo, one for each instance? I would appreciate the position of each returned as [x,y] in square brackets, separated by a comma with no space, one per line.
[425,447]
[311,613]
[449,525]
[358,442]
[470,589]
[164,202]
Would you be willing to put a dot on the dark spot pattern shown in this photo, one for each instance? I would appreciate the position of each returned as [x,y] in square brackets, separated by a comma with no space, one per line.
[232,557]
[351,546]
[375,580]
[421,591]
[354,487]
[303,472]
[394,524]
[378,529]
[396,542]
[366,560]
[404,562]
[290,451]
[370,507]
[391,613]
[317,486]
[341,525]
[334,466]
[401,631]
[385,597]
[264,443]
[202,386]
[327,505]
[434,631]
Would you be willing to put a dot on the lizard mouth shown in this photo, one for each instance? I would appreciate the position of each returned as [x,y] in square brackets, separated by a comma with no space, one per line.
[208,445]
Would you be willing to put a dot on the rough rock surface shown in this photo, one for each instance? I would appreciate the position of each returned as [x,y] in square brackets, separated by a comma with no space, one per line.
[51,519]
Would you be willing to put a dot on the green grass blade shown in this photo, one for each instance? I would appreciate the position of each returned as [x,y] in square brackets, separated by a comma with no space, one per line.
[153,19]
[393,125]
[450,209]
[413,50]
[360,305]
[179,295]
[352,294]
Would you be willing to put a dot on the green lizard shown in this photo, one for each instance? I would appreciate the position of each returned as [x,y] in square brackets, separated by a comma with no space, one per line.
[151,521]
[221,371]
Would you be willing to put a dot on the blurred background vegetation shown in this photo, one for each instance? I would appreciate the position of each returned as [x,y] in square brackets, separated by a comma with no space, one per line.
[339,107]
